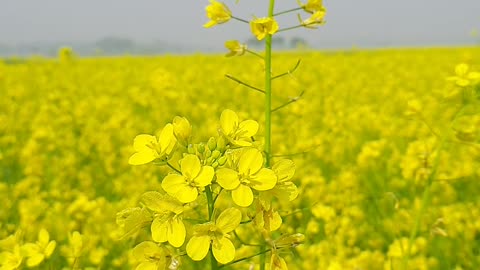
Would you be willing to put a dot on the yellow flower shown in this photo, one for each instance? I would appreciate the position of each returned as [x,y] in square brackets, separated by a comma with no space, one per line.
[39,251]
[151,256]
[311,6]
[11,259]
[194,178]
[277,262]
[235,48]
[167,224]
[314,20]
[463,77]
[218,13]
[261,27]
[216,235]
[182,129]
[238,134]
[249,173]
[148,148]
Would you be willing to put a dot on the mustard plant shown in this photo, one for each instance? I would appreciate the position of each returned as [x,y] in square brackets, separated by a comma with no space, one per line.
[462,99]
[225,189]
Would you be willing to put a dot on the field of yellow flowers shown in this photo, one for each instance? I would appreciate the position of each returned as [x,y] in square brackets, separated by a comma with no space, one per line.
[386,147]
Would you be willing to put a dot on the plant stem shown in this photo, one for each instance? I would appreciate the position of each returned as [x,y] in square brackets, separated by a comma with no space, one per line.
[287,11]
[268,90]
[426,194]
[268,108]
[173,168]
[211,205]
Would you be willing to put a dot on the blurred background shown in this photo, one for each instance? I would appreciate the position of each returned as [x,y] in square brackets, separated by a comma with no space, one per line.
[113,27]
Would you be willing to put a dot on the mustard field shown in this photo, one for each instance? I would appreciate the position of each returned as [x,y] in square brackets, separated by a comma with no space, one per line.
[157,162]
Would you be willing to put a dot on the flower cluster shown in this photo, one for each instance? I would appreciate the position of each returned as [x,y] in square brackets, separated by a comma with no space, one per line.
[261,27]
[203,173]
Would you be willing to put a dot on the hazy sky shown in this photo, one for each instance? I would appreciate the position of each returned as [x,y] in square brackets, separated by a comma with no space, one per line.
[349,22]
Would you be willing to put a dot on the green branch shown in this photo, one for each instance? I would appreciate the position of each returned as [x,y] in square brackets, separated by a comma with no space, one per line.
[245,84]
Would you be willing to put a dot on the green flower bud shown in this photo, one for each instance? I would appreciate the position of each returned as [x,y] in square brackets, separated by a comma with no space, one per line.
[201,147]
[221,144]
[212,144]
[191,149]
[216,154]
[210,160]
[222,160]
[208,152]
[215,164]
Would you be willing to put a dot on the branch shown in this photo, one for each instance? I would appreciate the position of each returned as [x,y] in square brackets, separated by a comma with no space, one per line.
[288,72]
[292,100]
[243,83]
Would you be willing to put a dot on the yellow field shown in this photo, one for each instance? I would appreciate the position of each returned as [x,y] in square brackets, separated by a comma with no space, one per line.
[372,131]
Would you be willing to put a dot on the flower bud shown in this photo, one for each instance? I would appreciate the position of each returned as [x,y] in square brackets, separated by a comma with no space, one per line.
[216,154]
[212,144]
[182,128]
[191,149]
[292,240]
[207,153]
[201,147]
[221,143]
[222,160]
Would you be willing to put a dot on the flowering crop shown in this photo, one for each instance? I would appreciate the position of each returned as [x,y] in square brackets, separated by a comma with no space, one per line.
[351,162]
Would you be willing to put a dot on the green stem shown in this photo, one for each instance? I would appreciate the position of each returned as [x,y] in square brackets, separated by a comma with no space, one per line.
[211,207]
[246,258]
[254,53]
[240,20]
[287,11]
[290,28]
[426,195]
[268,109]
[173,168]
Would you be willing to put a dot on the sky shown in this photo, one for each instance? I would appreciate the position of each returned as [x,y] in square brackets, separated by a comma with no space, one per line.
[362,23]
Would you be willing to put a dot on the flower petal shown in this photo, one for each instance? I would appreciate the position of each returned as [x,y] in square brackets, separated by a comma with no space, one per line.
[249,128]
[198,246]
[250,162]
[143,157]
[205,176]
[229,219]
[143,141]
[186,194]
[176,235]
[227,178]
[265,179]
[284,169]
[172,183]
[190,166]
[242,196]
[228,122]
[159,230]
[223,250]
[166,139]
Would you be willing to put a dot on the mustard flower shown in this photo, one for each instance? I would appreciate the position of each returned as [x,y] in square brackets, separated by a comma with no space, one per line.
[11,259]
[37,252]
[148,148]
[284,190]
[167,224]
[218,13]
[194,178]
[247,174]
[261,27]
[182,129]
[238,134]
[216,235]
[151,256]
[235,48]
[311,6]
[277,262]
[316,19]
[463,77]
